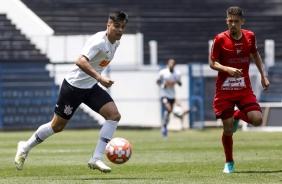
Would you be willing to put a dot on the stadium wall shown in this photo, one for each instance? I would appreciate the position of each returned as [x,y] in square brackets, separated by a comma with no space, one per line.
[135,93]
[25,19]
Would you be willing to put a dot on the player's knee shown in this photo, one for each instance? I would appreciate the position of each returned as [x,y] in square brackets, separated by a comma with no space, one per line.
[228,127]
[257,122]
[117,116]
[255,118]
[114,116]
[58,128]
[228,131]
[58,123]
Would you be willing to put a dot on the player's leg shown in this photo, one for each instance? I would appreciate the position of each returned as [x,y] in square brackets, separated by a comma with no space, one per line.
[179,112]
[102,103]
[168,110]
[249,110]
[255,117]
[69,99]
[57,124]
[168,106]
[227,142]
[112,117]
[224,110]
[251,115]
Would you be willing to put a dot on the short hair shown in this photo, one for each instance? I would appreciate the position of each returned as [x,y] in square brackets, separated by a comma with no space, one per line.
[118,15]
[235,10]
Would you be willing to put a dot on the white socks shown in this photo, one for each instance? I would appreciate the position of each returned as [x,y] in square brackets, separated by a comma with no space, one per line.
[42,133]
[106,133]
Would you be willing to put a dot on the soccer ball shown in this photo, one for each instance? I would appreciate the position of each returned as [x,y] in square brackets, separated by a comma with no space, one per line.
[118,150]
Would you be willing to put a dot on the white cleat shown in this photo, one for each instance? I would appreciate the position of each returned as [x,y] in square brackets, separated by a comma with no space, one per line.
[97,163]
[20,156]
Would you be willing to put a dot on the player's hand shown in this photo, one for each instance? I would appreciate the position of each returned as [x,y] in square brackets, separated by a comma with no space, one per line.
[234,72]
[106,82]
[264,83]
[163,86]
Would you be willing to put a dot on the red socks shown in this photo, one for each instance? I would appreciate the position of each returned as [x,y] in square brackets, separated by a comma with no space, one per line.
[227,142]
[240,115]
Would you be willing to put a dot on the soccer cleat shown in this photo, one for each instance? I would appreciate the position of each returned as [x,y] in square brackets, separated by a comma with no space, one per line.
[228,167]
[97,163]
[20,156]
[235,125]
[164,132]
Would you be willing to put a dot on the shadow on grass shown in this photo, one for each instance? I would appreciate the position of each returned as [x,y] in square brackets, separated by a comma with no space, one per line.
[258,172]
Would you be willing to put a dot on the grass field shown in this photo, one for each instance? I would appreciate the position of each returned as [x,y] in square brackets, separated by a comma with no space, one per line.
[185,157]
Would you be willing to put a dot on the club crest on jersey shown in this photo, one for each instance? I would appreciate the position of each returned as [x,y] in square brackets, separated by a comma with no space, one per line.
[68,110]
[239,52]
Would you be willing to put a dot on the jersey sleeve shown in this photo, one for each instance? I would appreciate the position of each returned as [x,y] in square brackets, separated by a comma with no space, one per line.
[215,49]
[90,49]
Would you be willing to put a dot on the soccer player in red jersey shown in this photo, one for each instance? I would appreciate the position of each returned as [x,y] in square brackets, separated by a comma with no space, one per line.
[231,55]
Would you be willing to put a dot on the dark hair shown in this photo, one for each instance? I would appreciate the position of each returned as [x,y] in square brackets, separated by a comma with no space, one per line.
[234,10]
[118,15]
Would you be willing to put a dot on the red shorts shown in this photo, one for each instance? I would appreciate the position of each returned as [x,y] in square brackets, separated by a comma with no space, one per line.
[225,101]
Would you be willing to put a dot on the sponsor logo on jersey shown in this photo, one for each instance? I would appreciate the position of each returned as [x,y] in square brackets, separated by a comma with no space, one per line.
[232,83]
[238,60]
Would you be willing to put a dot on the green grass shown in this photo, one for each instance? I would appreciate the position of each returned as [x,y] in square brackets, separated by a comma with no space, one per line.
[185,157]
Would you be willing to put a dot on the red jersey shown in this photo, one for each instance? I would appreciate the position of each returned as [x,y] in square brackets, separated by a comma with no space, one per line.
[236,54]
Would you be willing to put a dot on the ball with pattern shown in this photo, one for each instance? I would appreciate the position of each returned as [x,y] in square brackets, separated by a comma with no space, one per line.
[118,150]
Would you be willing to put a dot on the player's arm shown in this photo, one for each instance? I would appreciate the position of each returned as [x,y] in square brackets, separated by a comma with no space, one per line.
[179,79]
[216,51]
[258,61]
[83,63]
[215,65]
[159,82]
[179,83]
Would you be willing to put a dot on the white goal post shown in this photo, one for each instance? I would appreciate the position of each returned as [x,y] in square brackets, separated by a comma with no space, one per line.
[271,118]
